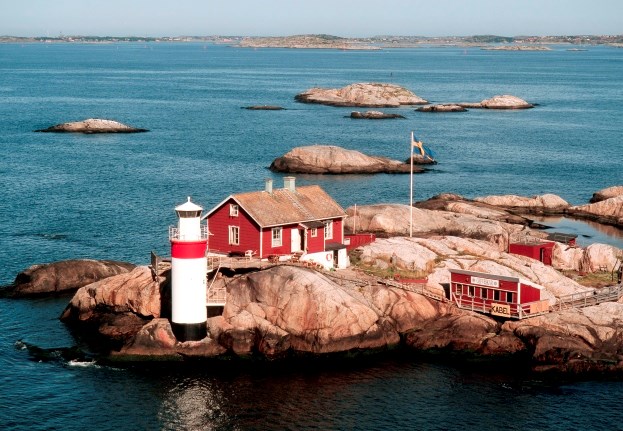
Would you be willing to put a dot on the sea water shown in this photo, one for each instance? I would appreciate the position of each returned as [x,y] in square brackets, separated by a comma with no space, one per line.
[112,197]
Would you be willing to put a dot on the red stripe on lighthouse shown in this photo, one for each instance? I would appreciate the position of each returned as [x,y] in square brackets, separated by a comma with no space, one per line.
[188,249]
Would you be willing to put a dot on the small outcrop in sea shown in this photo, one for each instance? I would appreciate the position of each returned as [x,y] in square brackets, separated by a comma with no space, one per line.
[330,159]
[504,101]
[63,276]
[264,108]
[517,48]
[371,95]
[442,108]
[373,115]
[92,125]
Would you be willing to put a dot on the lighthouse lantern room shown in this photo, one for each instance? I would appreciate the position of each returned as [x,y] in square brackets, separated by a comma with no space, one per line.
[189,242]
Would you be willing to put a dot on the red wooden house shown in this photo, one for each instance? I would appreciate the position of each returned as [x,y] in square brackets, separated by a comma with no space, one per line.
[498,295]
[292,221]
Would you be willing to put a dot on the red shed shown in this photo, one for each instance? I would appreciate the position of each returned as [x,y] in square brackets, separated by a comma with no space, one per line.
[304,221]
[539,250]
[498,295]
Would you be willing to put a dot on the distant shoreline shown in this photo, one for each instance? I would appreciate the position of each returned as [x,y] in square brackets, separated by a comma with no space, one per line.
[322,41]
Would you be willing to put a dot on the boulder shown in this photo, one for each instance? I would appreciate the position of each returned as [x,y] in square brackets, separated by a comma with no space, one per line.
[465,332]
[136,292]
[155,340]
[607,193]
[600,257]
[371,95]
[579,340]
[373,115]
[63,276]
[442,108]
[303,310]
[329,159]
[565,257]
[92,125]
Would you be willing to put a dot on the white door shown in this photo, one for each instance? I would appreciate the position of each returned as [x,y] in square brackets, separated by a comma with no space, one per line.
[296,240]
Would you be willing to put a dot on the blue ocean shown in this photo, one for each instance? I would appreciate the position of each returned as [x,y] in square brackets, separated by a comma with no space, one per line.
[112,197]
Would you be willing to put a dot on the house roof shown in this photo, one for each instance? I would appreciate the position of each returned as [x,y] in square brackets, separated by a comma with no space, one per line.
[282,206]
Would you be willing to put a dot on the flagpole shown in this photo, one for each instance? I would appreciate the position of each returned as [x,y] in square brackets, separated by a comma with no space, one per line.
[411,192]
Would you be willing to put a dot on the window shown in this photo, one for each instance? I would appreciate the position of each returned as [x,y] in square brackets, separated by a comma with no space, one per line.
[276,237]
[483,293]
[328,229]
[313,232]
[471,291]
[233,210]
[234,235]
[509,296]
[459,289]
[496,295]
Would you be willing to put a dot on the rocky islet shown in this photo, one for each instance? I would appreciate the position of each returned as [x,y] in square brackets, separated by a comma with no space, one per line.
[92,125]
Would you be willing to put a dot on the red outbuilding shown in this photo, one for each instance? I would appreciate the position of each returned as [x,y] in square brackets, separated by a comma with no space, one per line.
[498,295]
[539,250]
[276,223]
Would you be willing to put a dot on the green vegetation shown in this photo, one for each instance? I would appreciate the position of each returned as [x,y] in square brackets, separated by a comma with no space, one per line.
[593,279]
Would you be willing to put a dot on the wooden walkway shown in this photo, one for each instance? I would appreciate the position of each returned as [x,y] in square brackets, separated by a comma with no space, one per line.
[587,299]
[420,288]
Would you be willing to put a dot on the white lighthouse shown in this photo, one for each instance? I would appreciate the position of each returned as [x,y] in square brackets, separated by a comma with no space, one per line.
[189,242]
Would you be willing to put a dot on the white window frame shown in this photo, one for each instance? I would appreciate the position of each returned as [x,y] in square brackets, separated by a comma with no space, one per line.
[328,229]
[233,210]
[313,232]
[234,235]
[277,236]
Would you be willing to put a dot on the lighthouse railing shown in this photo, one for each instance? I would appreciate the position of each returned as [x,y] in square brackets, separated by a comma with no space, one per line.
[201,235]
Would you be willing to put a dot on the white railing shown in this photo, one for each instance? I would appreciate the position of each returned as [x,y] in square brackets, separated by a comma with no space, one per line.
[174,234]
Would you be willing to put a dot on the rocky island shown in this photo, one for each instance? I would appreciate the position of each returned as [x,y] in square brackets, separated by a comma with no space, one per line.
[516,48]
[445,107]
[373,115]
[370,95]
[331,159]
[504,101]
[285,311]
[264,108]
[92,125]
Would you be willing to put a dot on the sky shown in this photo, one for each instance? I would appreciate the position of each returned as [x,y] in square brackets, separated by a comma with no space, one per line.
[346,18]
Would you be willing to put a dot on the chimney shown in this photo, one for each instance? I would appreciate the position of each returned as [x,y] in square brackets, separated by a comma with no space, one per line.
[269,186]
[289,183]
